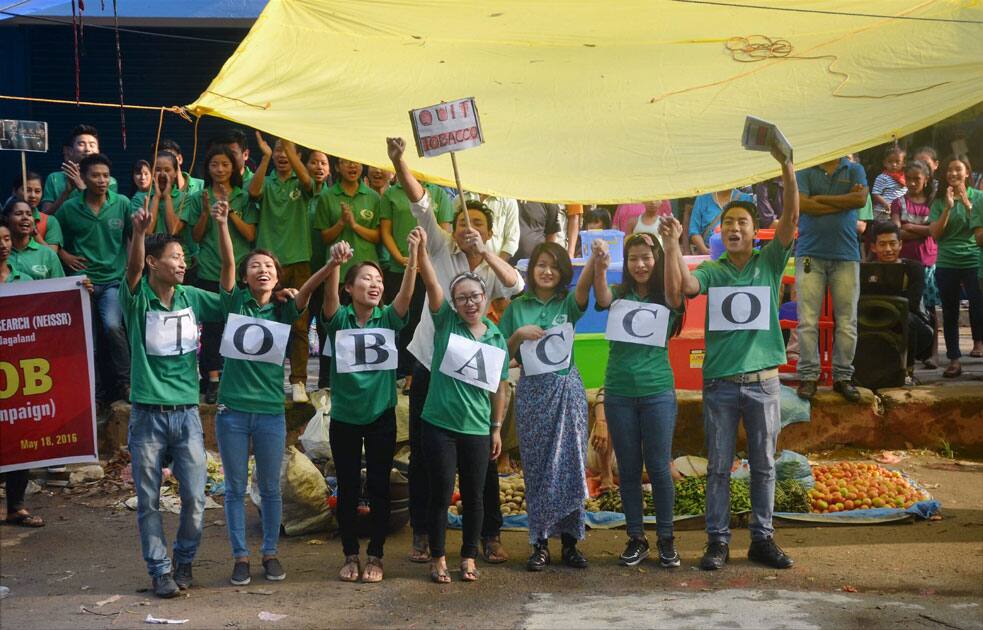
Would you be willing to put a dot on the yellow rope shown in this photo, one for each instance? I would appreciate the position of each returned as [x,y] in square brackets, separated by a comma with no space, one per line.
[173,109]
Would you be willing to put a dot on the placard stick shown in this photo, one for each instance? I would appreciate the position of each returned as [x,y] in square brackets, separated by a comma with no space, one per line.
[23,173]
[460,191]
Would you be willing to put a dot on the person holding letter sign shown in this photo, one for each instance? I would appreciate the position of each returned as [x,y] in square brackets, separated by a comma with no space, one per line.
[162,319]
[250,393]
[640,395]
[466,249]
[550,403]
[363,398]
[740,372]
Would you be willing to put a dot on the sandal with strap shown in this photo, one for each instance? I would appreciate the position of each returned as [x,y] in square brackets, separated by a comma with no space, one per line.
[25,519]
[346,574]
[953,371]
[468,575]
[492,550]
[421,549]
[372,561]
[439,576]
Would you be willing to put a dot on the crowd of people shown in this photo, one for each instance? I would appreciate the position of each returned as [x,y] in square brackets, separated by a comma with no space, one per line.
[408,285]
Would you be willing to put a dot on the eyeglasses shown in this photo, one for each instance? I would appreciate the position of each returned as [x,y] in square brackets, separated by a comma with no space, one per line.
[474,298]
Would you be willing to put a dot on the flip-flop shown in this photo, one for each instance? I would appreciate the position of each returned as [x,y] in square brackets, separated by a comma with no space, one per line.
[24,519]
[953,371]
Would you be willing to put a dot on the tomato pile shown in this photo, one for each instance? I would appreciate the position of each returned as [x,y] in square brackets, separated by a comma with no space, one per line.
[847,486]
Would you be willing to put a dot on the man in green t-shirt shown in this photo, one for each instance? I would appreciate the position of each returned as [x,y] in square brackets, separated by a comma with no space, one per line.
[162,319]
[740,373]
[95,226]
[68,182]
[283,230]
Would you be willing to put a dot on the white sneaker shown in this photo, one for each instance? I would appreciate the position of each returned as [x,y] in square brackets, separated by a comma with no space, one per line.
[299,393]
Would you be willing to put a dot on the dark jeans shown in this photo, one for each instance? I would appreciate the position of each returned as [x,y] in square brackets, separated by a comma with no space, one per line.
[323,362]
[448,452]
[346,440]
[209,360]
[949,282]
[393,281]
[16,484]
[419,483]
[112,346]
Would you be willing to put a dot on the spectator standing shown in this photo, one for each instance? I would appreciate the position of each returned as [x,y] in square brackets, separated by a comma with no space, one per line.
[319,168]
[505,215]
[185,182]
[48,230]
[283,230]
[349,211]
[927,155]
[142,177]
[26,254]
[378,179]
[827,256]
[624,214]
[538,223]
[63,184]
[705,217]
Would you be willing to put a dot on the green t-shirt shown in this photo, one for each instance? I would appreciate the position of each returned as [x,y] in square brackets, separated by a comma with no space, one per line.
[957,247]
[56,182]
[976,224]
[171,379]
[731,352]
[867,212]
[361,397]
[188,243]
[16,275]
[319,249]
[528,309]
[637,370]
[36,260]
[53,234]
[395,206]
[194,184]
[209,262]
[253,386]
[283,224]
[452,404]
[365,206]
[99,238]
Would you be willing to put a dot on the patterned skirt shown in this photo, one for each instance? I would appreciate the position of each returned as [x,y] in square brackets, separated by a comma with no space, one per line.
[551,421]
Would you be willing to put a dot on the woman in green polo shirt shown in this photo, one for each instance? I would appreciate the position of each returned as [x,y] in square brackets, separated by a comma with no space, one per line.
[551,406]
[250,394]
[462,423]
[36,260]
[640,395]
[958,260]
[363,395]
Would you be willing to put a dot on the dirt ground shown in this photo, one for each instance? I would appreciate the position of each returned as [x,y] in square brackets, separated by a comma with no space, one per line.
[927,573]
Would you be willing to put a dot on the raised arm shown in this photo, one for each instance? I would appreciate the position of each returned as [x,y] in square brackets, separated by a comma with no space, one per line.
[227,276]
[435,292]
[417,249]
[395,148]
[600,258]
[785,232]
[670,229]
[689,286]
[938,226]
[256,183]
[135,260]
[305,178]
[581,292]
[340,253]
[321,276]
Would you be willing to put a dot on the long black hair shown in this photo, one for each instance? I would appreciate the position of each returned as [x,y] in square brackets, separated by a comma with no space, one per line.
[656,284]
[562,258]
[235,179]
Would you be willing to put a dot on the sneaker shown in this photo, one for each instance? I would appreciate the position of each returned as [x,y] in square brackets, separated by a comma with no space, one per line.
[715,556]
[540,558]
[274,570]
[183,577]
[240,574]
[572,557]
[668,557]
[848,390]
[766,552]
[635,551]
[164,586]
[807,390]
[211,393]
[299,393]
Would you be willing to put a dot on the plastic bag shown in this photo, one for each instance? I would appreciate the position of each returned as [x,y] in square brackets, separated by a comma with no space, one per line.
[791,465]
[315,436]
[304,492]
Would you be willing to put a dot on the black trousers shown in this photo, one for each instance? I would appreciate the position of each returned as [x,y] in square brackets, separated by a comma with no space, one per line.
[211,336]
[491,524]
[16,484]
[379,438]
[921,334]
[447,453]
[393,281]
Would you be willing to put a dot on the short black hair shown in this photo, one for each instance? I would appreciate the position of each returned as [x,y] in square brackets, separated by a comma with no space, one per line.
[82,130]
[232,136]
[139,165]
[598,215]
[474,204]
[91,160]
[745,205]
[168,155]
[155,244]
[19,181]
[886,227]
[167,145]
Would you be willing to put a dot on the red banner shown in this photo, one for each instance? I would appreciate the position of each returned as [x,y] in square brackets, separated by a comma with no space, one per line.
[47,386]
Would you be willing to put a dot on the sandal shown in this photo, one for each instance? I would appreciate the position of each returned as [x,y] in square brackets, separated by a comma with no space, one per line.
[24,518]
[421,549]
[492,550]
[976,354]
[468,575]
[953,371]
[347,574]
[930,364]
[439,576]
[371,562]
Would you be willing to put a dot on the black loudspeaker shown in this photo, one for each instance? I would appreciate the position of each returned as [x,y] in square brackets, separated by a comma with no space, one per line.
[882,341]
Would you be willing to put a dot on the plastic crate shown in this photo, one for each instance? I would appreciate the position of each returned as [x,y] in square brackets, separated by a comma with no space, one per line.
[614,238]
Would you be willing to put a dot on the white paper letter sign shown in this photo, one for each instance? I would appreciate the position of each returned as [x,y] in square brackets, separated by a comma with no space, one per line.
[638,322]
[739,308]
[473,363]
[365,349]
[549,353]
[252,339]
[171,333]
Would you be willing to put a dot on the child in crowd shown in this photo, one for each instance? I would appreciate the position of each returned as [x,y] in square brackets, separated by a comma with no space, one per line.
[890,184]
[363,401]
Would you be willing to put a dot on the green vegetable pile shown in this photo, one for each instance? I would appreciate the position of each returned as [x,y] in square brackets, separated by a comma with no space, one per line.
[790,496]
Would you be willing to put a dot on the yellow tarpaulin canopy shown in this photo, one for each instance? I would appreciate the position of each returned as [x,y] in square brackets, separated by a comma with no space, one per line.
[600,101]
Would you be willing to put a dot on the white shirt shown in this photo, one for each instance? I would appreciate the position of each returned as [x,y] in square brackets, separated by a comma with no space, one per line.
[448,261]
[505,223]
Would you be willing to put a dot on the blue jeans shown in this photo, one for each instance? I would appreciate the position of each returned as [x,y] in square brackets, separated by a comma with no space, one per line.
[843,279]
[725,403]
[105,301]
[641,432]
[155,437]
[268,433]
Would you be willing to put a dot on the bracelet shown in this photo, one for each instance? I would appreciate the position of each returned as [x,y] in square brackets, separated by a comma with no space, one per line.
[496,425]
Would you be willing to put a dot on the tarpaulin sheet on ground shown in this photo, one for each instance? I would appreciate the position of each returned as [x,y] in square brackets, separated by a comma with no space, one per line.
[604,101]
